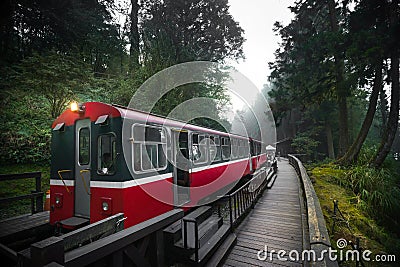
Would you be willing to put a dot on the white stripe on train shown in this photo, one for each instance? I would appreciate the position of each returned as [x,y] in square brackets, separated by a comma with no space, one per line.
[137,182]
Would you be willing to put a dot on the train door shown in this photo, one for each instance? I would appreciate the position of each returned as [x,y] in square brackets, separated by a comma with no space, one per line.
[82,168]
[250,144]
[182,167]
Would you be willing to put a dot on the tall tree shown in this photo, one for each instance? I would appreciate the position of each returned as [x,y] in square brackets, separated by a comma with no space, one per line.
[134,36]
[192,30]
[342,91]
[180,31]
[68,25]
[367,49]
[309,65]
[352,153]
[393,120]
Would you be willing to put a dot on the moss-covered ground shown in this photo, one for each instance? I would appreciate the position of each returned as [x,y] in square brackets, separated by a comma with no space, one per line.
[330,184]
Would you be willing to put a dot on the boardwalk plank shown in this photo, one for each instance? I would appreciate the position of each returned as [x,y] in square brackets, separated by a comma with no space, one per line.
[275,222]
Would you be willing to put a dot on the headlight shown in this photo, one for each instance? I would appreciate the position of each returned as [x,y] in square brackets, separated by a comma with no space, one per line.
[105,206]
[58,199]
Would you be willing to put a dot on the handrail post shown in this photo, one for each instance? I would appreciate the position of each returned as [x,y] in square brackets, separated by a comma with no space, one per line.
[335,207]
[39,199]
[234,205]
[32,203]
[185,234]
[35,196]
[196,236]
[196,239]
[230,211]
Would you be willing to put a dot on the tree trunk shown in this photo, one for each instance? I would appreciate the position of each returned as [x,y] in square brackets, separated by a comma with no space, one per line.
[343,125]
[341,91]
[393,120]
[392,124]
[383,106]
[351,155]
[134,36]
[329,140]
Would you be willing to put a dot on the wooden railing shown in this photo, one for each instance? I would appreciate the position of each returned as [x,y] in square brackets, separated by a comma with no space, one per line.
[318,233]
[238,203]
[36,196]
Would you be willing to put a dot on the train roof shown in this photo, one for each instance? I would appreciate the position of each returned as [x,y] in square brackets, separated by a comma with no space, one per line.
[93,110]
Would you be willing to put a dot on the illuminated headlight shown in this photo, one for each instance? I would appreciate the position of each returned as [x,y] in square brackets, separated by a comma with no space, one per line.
[58,199]
[77,107]
[74,106]
[105,206]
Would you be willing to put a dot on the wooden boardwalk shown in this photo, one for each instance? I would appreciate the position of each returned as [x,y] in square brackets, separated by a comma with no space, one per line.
[22,226]
[275,222]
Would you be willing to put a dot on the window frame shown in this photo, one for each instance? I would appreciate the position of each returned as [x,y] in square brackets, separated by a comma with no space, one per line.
[228,145]
[142,144]
[215,145]
[79,147]
[207,156]
[114,157]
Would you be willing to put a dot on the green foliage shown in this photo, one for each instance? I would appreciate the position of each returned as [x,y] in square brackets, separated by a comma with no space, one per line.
[368,216]
[376,190]
[303,143]
[23,148]
[21,187]
[25,131]
[53,53]
[331,53]
[181,31]
[56,76]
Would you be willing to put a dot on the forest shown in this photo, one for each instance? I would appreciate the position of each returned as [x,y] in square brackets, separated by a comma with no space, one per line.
[54,52]
[340,69]
[333,87]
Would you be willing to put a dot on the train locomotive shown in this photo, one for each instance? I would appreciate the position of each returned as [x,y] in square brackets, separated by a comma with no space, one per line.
[108,159]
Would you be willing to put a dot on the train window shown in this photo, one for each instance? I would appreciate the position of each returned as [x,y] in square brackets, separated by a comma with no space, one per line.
[226,148]
[106,151]
[215,150]
[199,148]
[218,145]
[149,146]
[246,148]
[183,144]
[241,149]
[84,146]
[235,148]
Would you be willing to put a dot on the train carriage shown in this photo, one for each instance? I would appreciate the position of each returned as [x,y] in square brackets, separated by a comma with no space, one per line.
[160,164]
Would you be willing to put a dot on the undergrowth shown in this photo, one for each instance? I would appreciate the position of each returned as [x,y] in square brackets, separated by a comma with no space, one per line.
[368,198]
[21,187]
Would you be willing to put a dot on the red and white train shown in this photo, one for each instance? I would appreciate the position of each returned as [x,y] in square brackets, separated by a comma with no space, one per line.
[108,159]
